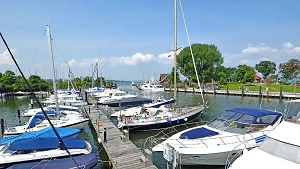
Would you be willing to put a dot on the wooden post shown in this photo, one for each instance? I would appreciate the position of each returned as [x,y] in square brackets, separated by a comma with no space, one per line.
[2,127]
[149,158]
[280,94]
[227,90]
[260,94]
[104,135]
[19,115]
[86,97]
[193,89]
[242,90]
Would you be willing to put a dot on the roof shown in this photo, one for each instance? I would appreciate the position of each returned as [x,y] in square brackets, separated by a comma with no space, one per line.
[45,144]
[254,112]
[256,77]
[162,77]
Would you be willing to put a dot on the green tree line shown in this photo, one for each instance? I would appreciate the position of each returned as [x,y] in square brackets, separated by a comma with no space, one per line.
[11,82]
[209,60]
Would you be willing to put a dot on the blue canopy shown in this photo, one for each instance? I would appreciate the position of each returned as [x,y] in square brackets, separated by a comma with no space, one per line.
[198,133]
[85,161]
[45,143]
[44,133]
[39,116]
[254,112]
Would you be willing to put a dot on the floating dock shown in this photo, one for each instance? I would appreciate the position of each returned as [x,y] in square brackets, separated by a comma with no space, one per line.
[122,153]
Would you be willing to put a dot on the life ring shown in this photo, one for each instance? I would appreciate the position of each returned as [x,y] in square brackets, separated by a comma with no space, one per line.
[127,119]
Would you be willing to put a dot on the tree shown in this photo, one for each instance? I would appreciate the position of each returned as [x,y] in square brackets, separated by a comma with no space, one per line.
[248,77]
[290,69]
[171,77]
[234,77]
[242,70]
[207,58]
[34,80]
[20,84]
[266,68]
[8,79]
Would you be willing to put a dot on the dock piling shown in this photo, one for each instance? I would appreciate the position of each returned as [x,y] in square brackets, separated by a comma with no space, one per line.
[2,127]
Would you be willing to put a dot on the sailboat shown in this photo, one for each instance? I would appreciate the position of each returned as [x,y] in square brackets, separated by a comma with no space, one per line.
[162,117]
[36,149]
[38,121]
[212,143]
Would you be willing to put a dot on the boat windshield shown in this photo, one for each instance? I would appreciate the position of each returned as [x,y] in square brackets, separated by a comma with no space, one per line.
[241,123]
[281,149]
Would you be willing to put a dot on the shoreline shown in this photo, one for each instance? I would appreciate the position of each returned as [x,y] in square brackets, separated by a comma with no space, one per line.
[280,95]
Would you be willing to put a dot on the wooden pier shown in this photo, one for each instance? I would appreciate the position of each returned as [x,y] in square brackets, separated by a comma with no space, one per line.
[280,95]
[122,153]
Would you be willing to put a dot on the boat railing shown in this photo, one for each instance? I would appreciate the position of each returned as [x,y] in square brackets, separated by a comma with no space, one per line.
[216,141]
[167,132]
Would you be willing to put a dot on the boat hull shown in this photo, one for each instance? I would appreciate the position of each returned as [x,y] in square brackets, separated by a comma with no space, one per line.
[163,123]
[79,125]
[208,159]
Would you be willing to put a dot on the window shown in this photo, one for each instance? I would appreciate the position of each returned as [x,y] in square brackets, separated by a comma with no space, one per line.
[282,150]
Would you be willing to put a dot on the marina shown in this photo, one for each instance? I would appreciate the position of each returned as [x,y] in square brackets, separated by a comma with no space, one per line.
[120,145]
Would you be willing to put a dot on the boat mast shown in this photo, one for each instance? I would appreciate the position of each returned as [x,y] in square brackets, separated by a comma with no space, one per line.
[175,48]
[53,70]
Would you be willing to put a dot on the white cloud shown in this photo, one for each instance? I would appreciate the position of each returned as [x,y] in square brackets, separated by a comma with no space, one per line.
[253,54]
[132,60]
[288,45]
[257,49]
[245,61]
[5,58]
[84,62]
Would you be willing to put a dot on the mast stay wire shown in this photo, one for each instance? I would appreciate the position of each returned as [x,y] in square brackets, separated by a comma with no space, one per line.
[36,51]
[187,34]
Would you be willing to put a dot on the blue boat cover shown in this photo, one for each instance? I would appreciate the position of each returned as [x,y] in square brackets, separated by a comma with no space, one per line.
[39,116]
[44,133]
[254,112]
[85,161]
[198,133]
[45,143]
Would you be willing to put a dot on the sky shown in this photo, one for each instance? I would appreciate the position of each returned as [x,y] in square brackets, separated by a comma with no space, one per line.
[132,39]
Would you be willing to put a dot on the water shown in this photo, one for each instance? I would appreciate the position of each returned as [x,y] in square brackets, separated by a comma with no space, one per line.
[217,104]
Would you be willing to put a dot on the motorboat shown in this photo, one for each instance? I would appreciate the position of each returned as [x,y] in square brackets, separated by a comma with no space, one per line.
[157,118]
[115,96]
[65,99]
[126,101]
[281,148]
[86,161]
[107,93]
[38,122]
[212,143]
[135,110]
[62,108]
[33,149]
[43,133]
[151,86]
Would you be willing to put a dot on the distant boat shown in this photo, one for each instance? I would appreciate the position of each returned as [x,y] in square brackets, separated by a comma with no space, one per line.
[44,133]
[86,161]
[151,87]
[133,84]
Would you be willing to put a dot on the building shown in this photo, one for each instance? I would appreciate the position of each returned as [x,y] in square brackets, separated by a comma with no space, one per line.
[257,79]
[164,78]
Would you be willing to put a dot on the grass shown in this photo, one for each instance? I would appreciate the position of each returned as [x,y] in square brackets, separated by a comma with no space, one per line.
[256,87]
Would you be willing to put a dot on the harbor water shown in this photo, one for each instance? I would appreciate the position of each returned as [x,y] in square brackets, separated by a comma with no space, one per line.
[217,104]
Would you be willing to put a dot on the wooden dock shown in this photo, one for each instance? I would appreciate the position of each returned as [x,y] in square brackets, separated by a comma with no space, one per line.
[122,153]
[281,95]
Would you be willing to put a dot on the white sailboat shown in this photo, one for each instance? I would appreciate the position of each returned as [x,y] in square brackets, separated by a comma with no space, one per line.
[38,121]
[156,118]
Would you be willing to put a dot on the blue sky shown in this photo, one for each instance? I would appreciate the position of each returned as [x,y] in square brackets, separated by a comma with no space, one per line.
[133,37]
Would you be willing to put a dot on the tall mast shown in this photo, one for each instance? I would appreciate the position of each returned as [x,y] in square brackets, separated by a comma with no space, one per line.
[175,48]
[69,74]
[53,70]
